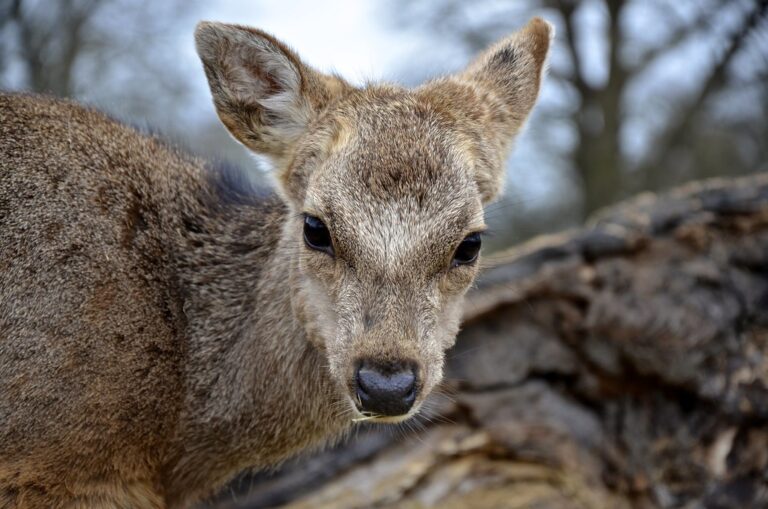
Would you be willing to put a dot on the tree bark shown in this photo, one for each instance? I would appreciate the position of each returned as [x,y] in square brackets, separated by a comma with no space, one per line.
[624,365]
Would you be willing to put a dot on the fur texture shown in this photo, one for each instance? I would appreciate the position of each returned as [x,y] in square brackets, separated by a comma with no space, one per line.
[163,327]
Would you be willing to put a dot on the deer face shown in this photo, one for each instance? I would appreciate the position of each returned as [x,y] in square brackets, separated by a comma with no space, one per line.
[387,188]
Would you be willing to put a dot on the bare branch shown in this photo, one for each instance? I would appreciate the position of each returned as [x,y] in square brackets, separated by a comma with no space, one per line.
[677,129]
[682,32]
[567,9]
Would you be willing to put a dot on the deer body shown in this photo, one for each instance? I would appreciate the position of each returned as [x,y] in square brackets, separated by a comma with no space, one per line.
[140,258]
[163,326]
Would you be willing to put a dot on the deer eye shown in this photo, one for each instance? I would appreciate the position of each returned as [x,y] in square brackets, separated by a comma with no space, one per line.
[316,235]
[468,250]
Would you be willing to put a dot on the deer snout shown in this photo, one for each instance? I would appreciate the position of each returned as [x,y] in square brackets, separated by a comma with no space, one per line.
[386,389]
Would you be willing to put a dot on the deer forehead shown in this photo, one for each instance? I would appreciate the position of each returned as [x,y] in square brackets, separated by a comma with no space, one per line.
[396,157]
[396,189]
[401,233]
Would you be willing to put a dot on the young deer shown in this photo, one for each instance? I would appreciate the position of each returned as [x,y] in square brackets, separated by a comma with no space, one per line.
[163,326]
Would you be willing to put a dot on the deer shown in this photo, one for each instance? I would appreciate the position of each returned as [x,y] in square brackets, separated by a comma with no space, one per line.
[166,325]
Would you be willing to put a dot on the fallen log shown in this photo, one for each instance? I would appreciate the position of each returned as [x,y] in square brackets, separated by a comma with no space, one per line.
[624,365]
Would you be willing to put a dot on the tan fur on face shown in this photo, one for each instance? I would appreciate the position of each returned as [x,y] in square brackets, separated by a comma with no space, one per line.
[163,327]
[400,177]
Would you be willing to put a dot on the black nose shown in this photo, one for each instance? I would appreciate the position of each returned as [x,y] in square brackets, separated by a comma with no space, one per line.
[386,389]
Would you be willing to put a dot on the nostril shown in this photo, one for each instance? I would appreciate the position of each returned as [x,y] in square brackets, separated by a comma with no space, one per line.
[374,382]
[386,389]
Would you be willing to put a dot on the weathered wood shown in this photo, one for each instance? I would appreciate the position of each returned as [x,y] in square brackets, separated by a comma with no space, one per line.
[623,365]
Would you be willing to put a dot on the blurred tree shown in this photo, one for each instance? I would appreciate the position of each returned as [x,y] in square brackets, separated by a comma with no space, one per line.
[651,93]
[120,55]
[49,53]
[114,53]
[642,94]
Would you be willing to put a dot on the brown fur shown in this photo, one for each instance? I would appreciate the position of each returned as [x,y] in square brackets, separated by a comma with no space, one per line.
[161,330]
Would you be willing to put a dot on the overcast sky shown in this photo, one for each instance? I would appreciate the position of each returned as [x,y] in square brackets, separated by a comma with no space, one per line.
[351,37]
[348,37]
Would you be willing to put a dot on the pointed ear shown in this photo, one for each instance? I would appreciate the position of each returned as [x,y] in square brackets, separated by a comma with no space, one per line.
[494,96]
[263,93]
[511,71]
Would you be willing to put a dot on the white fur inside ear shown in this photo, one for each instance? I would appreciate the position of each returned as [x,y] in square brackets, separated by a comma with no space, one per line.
[249,72]
[289,111]
[264,75]
[257,64]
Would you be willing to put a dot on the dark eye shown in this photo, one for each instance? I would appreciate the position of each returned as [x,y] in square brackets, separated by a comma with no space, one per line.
[468,250]
[316,235]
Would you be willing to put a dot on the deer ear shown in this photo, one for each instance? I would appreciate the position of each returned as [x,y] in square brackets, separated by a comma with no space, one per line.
[495,95]
[263,93]
[512,69]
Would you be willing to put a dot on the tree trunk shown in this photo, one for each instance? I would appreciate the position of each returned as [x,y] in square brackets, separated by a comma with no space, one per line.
[621,366]
[598,154]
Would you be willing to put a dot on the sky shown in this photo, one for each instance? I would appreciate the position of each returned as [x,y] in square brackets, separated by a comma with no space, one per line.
[350,38]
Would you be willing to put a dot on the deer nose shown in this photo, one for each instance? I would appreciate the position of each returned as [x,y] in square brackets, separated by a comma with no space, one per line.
[386,389]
